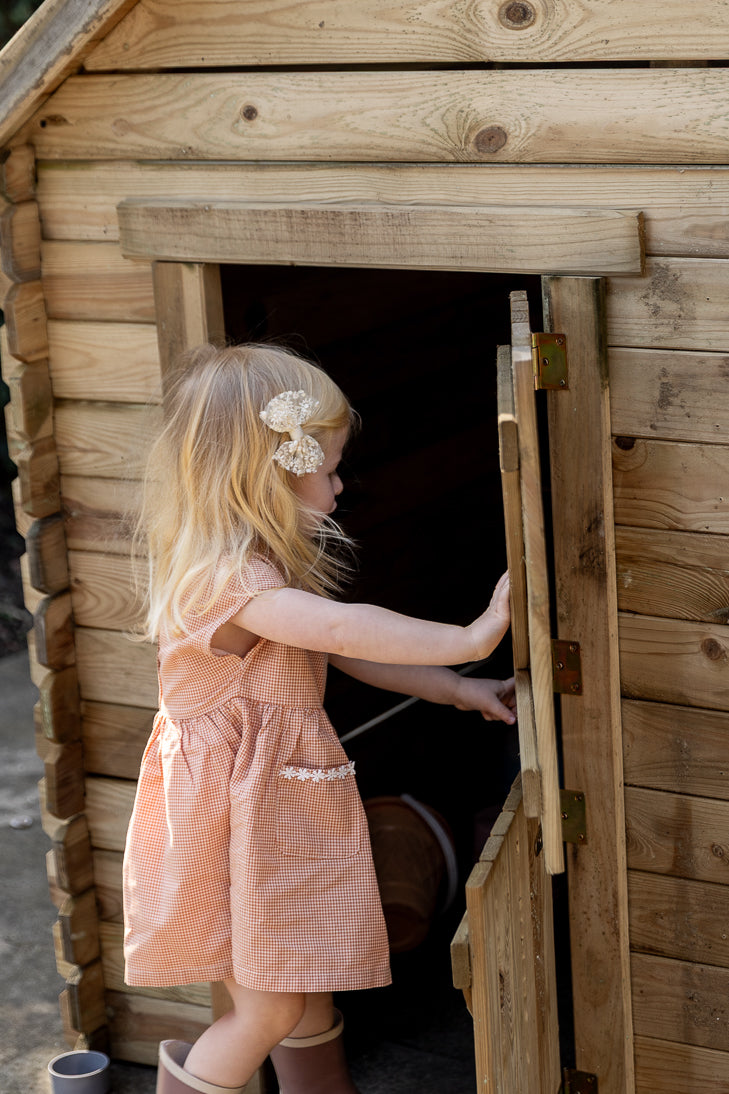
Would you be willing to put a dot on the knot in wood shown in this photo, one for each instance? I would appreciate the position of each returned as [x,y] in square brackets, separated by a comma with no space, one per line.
[249,113]
[490,139]
[516,15]
[625,443]
[713,650]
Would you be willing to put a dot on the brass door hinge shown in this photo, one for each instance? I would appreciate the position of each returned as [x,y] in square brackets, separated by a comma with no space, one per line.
[549,359]
[566,666]
[578,1082]
[573,810]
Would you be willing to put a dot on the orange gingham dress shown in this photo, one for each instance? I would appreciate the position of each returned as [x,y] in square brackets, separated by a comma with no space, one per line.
[248,853]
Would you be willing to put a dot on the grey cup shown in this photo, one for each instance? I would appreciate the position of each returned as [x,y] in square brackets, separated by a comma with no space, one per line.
[80,1072]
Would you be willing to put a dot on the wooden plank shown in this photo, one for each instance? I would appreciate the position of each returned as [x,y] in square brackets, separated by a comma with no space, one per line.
[680,306]
[45,546]
[525,1013]
[53,627]
[679,1001]
[49,45]
[665,395]
[20,241]
[94,281]
[71,847]
[112,669]
[677,918]
[539,624]
[137,1024]
[586,612]
[683,575]
[113,362]
[660,484]
[98,513]
[85,997]
[674,661]
[104,440]
[675,1068]
[114,738]
[161,34]
[531,775]
[685,209]
[60,716]
[79,928]
[103,591]
[108,885]
[17,173]
[189,307]
[676,834]
[37,481]
[667,747]
[535,115]
[29,415]
[545,962]
[25,318]
[64,783]
[109,805]
[496,238]
[511,495]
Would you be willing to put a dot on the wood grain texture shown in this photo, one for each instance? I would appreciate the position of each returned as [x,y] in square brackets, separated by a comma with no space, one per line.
[675,1068]
[681,575]
[678,835]
[109,805]
[586,612]
[98,513]
[684,209]
[89,280]
[675,748]
[103,591]
[677,918]
[112,669]
[498,239]
[673,661]
[680,1001]
[512,116]
[176,33]
[674,486]
[114,738]
[104,440]
[138,1023]
[104,361]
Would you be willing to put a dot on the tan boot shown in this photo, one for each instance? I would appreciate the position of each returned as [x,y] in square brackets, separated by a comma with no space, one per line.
[173,1079]
[313,1065]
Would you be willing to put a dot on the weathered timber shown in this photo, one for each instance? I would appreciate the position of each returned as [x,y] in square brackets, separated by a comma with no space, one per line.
[586,613]
[633,115]
[680,306]
[25,316]
[678,486]
[53,627]
[93,281]
[667,747]
[38,483]
[160,34]
[189,306]
[684,208]
[85,1007]
[114,670]
[108,885]
[103,591]
[71,848]
[674,661]
[17,173]
[64,777]
[677,834]
[675,917]
[108,809]
[679,1001]
[664,395]
[104,440]
[29,415]
[512,501]
[681,575]
[45,546]
[497,239]
[675,1068]
[109,361]
[79,928]
[138,1023]
[98,513]
[60,716]
[20,242]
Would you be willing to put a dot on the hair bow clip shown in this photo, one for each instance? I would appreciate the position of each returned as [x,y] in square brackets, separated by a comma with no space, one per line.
[287,413]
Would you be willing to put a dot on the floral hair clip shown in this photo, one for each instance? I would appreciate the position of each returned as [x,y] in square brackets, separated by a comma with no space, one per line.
[287,413]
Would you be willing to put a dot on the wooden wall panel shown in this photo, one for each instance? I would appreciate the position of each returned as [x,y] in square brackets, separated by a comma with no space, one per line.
[176,33]
[114,738]
[115,362]
[89,280]
[111,669]
[681,575]
[665,395]
[679,1001]
[560,115]
[98,513]
[676,486]
[677,835]
[104,440]
[675,1068]
[673,661]
[685,210]
[677,918]
[137,1024]
[103,591]
[676,748]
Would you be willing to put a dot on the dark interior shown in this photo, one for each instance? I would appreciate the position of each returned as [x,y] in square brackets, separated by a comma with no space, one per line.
[415,351]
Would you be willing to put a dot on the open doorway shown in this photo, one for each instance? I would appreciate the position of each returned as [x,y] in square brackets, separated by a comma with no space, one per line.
[415,351]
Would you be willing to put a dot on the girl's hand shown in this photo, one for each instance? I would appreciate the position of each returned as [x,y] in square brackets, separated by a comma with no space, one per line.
[487,631]
[495,699]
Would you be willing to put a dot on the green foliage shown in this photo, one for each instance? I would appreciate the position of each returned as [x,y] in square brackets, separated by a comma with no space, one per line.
[13,13]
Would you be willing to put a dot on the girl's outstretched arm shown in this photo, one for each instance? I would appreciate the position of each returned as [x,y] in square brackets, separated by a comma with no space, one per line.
[495,699]
[364,631]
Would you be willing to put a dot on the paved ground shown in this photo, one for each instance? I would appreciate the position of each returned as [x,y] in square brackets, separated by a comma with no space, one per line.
[412,1038]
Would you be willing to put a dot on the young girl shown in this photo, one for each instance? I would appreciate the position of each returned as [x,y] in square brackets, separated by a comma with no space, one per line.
[248,858]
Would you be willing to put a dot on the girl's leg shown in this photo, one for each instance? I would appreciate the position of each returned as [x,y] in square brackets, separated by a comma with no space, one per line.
[311,1059]
[229,1052]
[318,1015]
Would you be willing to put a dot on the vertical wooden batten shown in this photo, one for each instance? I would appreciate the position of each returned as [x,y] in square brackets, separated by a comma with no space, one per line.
[586,604]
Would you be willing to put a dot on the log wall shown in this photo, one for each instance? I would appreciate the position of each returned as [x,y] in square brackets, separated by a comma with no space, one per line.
[613,105]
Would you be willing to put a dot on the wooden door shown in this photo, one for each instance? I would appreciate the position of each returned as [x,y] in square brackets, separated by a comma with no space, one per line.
[503,953]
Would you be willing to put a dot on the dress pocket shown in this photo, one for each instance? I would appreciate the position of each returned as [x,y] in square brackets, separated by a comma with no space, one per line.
[319,814]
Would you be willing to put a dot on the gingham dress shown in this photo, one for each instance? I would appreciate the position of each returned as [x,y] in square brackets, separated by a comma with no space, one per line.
[248,852]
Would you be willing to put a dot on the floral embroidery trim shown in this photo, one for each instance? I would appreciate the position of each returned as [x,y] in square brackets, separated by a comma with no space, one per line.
[318,774]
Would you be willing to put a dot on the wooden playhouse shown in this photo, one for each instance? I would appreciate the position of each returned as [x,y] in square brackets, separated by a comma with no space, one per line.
[379,177]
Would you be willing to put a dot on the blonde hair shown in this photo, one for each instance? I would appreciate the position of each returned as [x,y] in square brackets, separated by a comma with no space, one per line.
[213,494]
